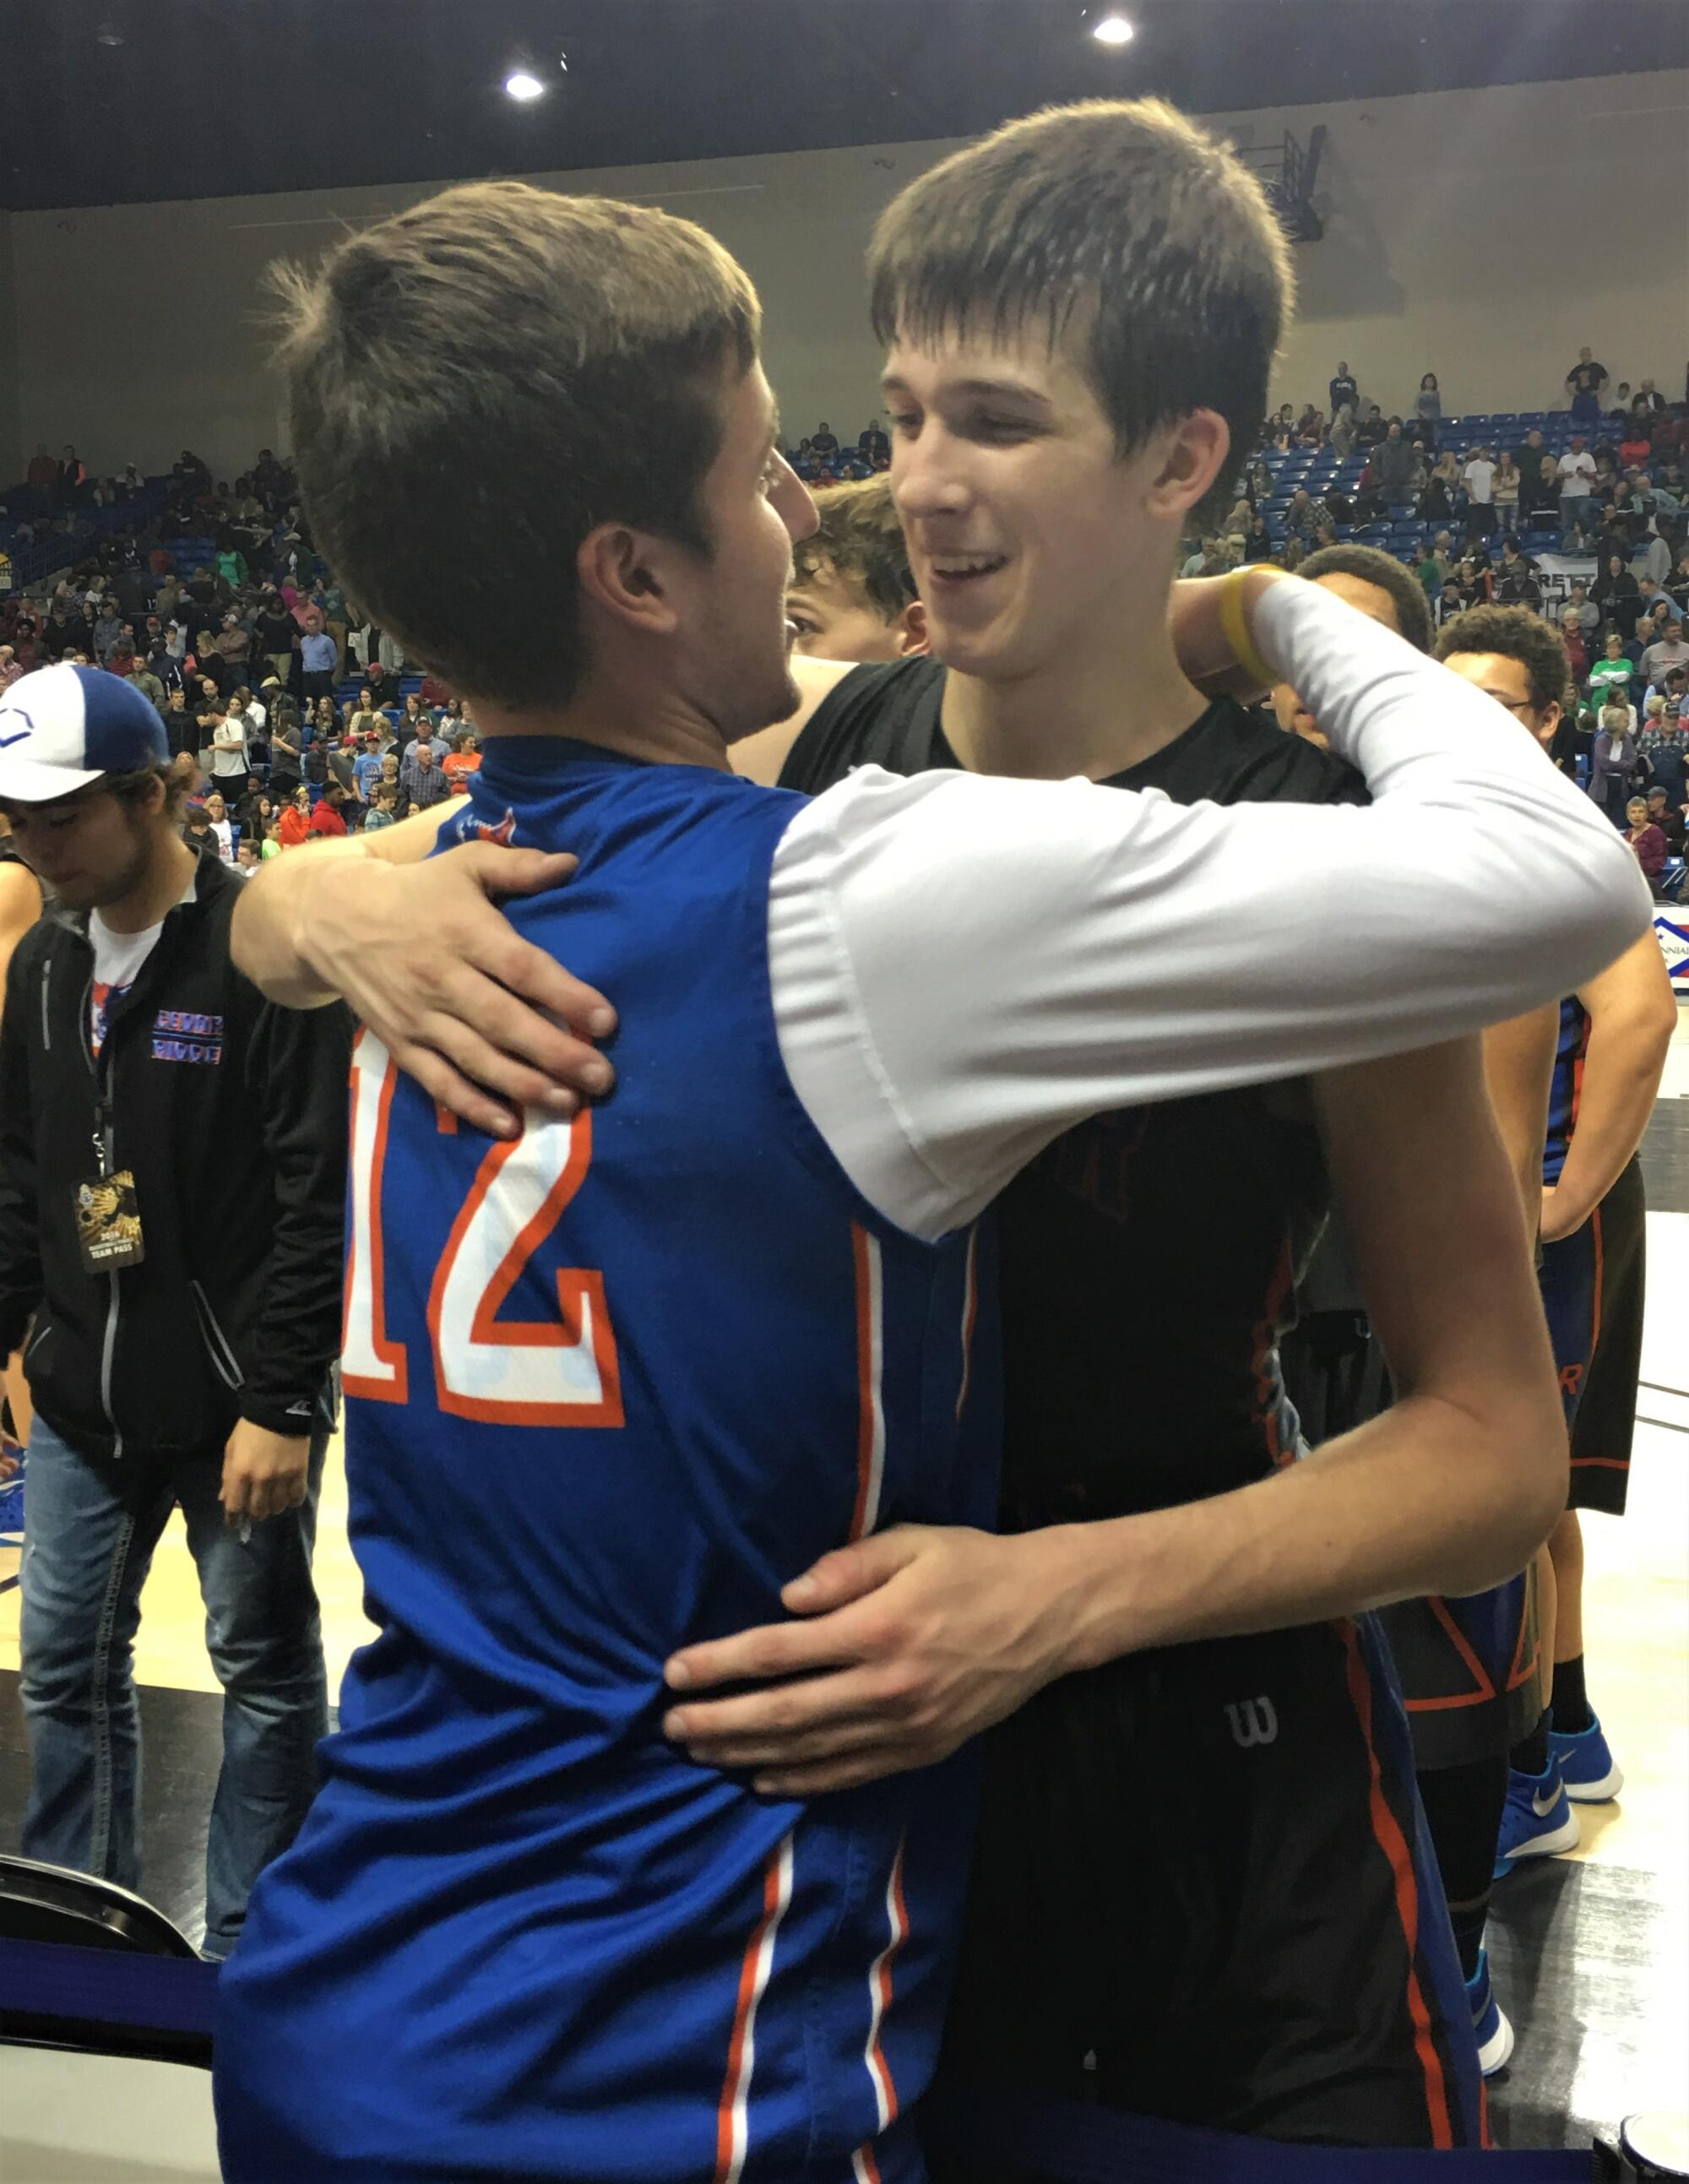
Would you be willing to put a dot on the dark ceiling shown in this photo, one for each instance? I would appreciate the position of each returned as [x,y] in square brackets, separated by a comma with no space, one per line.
[125,101]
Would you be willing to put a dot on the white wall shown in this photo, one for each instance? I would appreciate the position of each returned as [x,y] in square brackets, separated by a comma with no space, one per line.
[1487,235]
[1484,235]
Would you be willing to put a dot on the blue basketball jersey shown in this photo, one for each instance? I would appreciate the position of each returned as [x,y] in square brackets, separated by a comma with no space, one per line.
[609,1387]
[1565,1087]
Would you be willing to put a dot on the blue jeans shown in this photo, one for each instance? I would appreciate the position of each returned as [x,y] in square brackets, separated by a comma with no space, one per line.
[90,1533]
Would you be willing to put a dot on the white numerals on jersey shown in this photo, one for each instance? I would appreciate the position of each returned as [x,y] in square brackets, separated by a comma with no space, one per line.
[559,1370]
[370,1364]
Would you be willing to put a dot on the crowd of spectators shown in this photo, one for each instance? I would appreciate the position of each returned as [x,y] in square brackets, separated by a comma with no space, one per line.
[215,605]
[1595,537]
[214,602]
[819,460]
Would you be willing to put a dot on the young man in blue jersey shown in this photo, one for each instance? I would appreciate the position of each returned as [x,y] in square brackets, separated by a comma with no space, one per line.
[1470,1668]
[615,1378]
[1614,1035]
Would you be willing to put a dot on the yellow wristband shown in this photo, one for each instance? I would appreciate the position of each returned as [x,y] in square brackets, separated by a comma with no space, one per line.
[1234,626]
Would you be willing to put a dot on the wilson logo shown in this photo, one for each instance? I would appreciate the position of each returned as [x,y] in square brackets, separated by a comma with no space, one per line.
[1253,1721]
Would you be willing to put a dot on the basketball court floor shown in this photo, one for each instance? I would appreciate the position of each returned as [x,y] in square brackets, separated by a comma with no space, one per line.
[1588,1950]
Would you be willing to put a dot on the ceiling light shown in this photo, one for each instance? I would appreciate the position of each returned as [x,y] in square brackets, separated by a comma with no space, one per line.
[1114,31]
[520,85]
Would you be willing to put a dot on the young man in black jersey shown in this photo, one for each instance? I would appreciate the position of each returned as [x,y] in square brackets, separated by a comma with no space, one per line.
[1201,1862]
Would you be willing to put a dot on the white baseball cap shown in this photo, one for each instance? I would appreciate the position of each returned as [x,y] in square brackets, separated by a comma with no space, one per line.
[63,727]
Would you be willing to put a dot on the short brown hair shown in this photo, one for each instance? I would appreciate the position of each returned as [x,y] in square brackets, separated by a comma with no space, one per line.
[178,775]
[860,539]
[476,383]
[1123,218]
[1515,633]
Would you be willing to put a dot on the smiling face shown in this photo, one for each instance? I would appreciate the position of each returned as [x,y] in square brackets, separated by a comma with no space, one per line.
[1024,525]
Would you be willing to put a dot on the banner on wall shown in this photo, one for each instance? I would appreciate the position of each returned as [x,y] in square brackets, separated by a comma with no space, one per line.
[1671,930]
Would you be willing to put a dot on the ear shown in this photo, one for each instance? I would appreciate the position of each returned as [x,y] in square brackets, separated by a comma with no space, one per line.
[629,575]
[1189,456]
[1549,722]
[912,629]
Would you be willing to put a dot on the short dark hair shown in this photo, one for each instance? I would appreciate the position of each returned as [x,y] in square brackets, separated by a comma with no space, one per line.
[861,538]
[1121,221]
[476,383]
[1374,566]
[1516,633]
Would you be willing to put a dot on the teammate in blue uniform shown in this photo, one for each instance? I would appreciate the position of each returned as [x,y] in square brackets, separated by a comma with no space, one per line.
[615,1378]
[1614,1034]
[1469,1666]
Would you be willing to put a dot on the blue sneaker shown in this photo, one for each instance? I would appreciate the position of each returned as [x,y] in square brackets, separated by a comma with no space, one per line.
[1588,1767]
[1537,1821]
[1494,2034]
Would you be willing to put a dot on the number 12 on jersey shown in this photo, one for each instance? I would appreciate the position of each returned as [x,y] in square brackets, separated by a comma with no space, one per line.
[550,1371]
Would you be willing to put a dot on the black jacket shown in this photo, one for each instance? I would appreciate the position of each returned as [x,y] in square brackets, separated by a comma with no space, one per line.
[219,1102]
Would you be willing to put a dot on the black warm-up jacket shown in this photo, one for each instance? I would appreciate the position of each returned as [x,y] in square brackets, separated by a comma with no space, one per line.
[231,1114]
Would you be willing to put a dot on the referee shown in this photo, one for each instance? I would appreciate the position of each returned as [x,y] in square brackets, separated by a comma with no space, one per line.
[172,1178]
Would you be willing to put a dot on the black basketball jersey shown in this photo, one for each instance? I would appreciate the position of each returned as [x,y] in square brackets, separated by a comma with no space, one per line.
[1148,1256]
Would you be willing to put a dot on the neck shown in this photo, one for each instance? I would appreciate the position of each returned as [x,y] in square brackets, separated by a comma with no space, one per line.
[1093,713]
[169,868]
[658,728]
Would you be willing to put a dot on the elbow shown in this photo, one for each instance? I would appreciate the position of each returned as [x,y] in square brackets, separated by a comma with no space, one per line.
[1662,1025]
[1589,927]
[1517,1470]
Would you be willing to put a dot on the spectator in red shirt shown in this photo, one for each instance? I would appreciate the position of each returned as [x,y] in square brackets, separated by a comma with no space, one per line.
[294,826]
[1645,838]
[457,765]
[327,818]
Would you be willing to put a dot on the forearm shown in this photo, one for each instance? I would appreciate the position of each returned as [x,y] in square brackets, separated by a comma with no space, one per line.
[269,933]
[1518,1068]
[1620,1083]
[1419,1501]
[1486,805]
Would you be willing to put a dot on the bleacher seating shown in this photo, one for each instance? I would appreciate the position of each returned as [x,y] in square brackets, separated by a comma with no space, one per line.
[1405,532]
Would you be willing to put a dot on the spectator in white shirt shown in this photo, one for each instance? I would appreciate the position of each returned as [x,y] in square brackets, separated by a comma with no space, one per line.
[230,757]
[1576,471]
[1477,477]
[217,812]
[1664,654]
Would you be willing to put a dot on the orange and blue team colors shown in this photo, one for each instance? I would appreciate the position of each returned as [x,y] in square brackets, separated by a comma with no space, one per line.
[608,1387]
